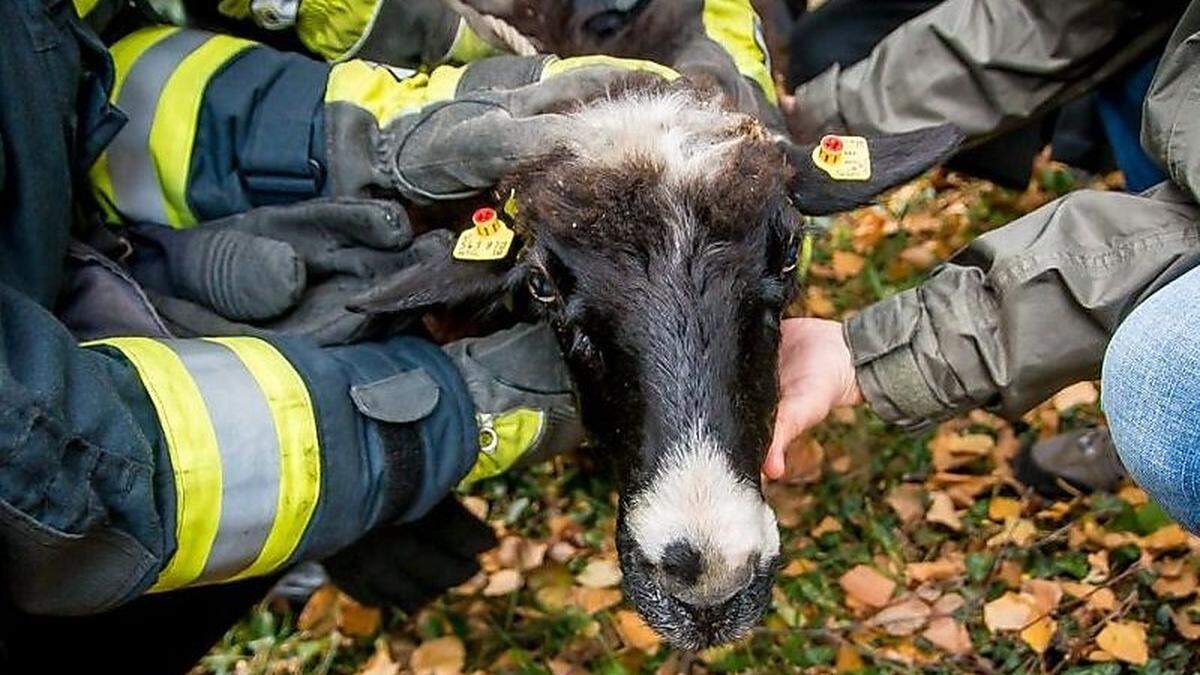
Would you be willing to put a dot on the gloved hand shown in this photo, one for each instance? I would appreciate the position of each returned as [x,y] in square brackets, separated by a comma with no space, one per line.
[525,403]
[409,565]
[461,130]
[285,269]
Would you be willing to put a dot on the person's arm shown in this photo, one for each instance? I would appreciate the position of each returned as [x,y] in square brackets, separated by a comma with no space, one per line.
[136,465]
[1020,313]
[982,65]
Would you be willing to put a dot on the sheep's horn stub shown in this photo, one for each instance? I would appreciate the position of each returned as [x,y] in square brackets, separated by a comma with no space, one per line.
[895,159]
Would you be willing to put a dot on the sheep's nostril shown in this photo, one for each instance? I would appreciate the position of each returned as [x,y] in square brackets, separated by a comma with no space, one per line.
[682,563]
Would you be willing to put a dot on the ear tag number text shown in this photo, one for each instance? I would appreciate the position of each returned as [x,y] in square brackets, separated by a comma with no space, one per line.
[489,239]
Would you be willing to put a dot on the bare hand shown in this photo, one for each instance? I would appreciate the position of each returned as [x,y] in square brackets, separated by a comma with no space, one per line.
[816,375]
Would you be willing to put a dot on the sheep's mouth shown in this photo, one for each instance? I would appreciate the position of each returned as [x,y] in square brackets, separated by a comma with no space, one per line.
[688,626]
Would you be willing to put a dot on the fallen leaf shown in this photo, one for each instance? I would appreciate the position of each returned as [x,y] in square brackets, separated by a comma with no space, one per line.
[1082,393]
[600,573]
[1019,531]
[319,615]
[1176,587]
[950,450]
[903,618]
[442,656]
[1011,611]
[866,585]
[938,570]
[827,525]
[847,265]
[948,604]
[1009,572]
[1039,634]
[848,659]
[1001,509]
[1184,625]
[1165,538]
[357,620]
[561,552]
[1125,641]
[532,554]
[1046,594]
[797,567]
[805,461]
[503,582]
[635,633]
[840,464]
[1133,495]
[949,635]
[941,511]
[381,662]
[592,600]
[1103,600]
[560,667]
[816,299]
[908,501]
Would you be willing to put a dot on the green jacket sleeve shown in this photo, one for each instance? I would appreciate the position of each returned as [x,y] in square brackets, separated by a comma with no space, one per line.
[983,65]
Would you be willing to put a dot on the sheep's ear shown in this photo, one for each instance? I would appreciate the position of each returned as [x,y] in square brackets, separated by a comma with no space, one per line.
[436,280]
[825,183]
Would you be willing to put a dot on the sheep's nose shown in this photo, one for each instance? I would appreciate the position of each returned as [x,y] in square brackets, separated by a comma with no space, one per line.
[681,563]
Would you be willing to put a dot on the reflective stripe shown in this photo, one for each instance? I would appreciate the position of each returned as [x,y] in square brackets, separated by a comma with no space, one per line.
[241,433]
[249,454]
[388,92]
[336,28]
[559,66]
[735,26]
[468,46]
[299,449]
[85,7]
[178,113]
[192,446]
[135,178]
[162,73]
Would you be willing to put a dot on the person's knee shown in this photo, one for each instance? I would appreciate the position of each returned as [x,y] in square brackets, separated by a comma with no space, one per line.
[1149,394]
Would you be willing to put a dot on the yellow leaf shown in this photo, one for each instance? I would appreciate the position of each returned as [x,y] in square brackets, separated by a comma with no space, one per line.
[592,600]
[1166,538]
[941,511]
[1181,586]
[848,659]
[1011,611]
[1039,634]
[1082,393]
[1133,495]
[503,582]
[817,300]
[635,633]
[1001,509]
[949,635]
[827,525]
[1019,531]
[866,585]
[1125,641]
[1184,625]
[600,573]
[1103,600]
[797,567]
[443,656]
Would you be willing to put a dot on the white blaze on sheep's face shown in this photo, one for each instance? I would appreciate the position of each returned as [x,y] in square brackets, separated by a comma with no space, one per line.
[696,502]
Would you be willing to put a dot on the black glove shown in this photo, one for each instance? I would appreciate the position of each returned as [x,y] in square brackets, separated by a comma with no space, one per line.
[409,565]
[281,269]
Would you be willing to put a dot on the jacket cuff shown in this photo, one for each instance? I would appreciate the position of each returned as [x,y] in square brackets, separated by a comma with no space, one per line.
[816,107]
[881,340]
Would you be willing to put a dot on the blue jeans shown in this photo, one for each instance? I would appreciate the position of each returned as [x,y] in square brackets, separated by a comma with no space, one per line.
[1151,385]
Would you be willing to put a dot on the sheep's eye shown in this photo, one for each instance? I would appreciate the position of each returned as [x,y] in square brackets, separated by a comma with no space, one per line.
[792,256]
[540,287]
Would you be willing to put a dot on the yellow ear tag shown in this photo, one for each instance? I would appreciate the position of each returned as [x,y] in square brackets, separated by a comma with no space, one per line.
[489,239]
[843,157]
[510,205]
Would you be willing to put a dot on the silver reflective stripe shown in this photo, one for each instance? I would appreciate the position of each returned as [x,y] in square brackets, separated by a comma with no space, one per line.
[249,446]
[135,182]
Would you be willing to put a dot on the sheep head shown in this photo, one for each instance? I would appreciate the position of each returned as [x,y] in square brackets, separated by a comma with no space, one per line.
[659,241]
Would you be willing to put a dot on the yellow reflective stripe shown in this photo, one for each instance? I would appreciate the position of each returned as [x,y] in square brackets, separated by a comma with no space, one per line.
[735,26]
[124,53]
[192,446]
[85,7]
[468,46]
[300,457]
[389,93]
[333,28]
[559,66]
[517,431]
[174,132]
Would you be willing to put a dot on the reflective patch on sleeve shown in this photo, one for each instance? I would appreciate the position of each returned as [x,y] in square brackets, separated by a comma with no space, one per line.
[559,66]
[241,433]
[162,73]
[336,28]
[388,92]
[735,26]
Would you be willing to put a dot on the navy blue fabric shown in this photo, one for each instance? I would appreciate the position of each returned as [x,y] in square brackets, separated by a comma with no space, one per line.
[260,135]
[1120,105]
[354,461]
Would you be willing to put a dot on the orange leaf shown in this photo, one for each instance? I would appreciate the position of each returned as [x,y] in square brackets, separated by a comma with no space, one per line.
[357,620]
[443,656]
[1039,635]
[827,525]
[319,615]
[949,635]
[908,501]
[1001,509]
[941,511]
[1082,393]
[381,662]
[847,265]
[938,570]
[848,659]
[592,600]
[903,618]
[1126,641]
[503,582]
[866,585]
[1011,611]
[635,633]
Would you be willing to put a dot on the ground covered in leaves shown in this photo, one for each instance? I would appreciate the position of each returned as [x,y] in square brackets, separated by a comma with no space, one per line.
[904,553]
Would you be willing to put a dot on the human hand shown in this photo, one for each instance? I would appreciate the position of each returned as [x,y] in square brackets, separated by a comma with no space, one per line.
[816,375]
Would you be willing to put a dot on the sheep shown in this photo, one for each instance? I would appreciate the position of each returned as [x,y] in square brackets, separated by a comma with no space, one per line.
[659,240]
